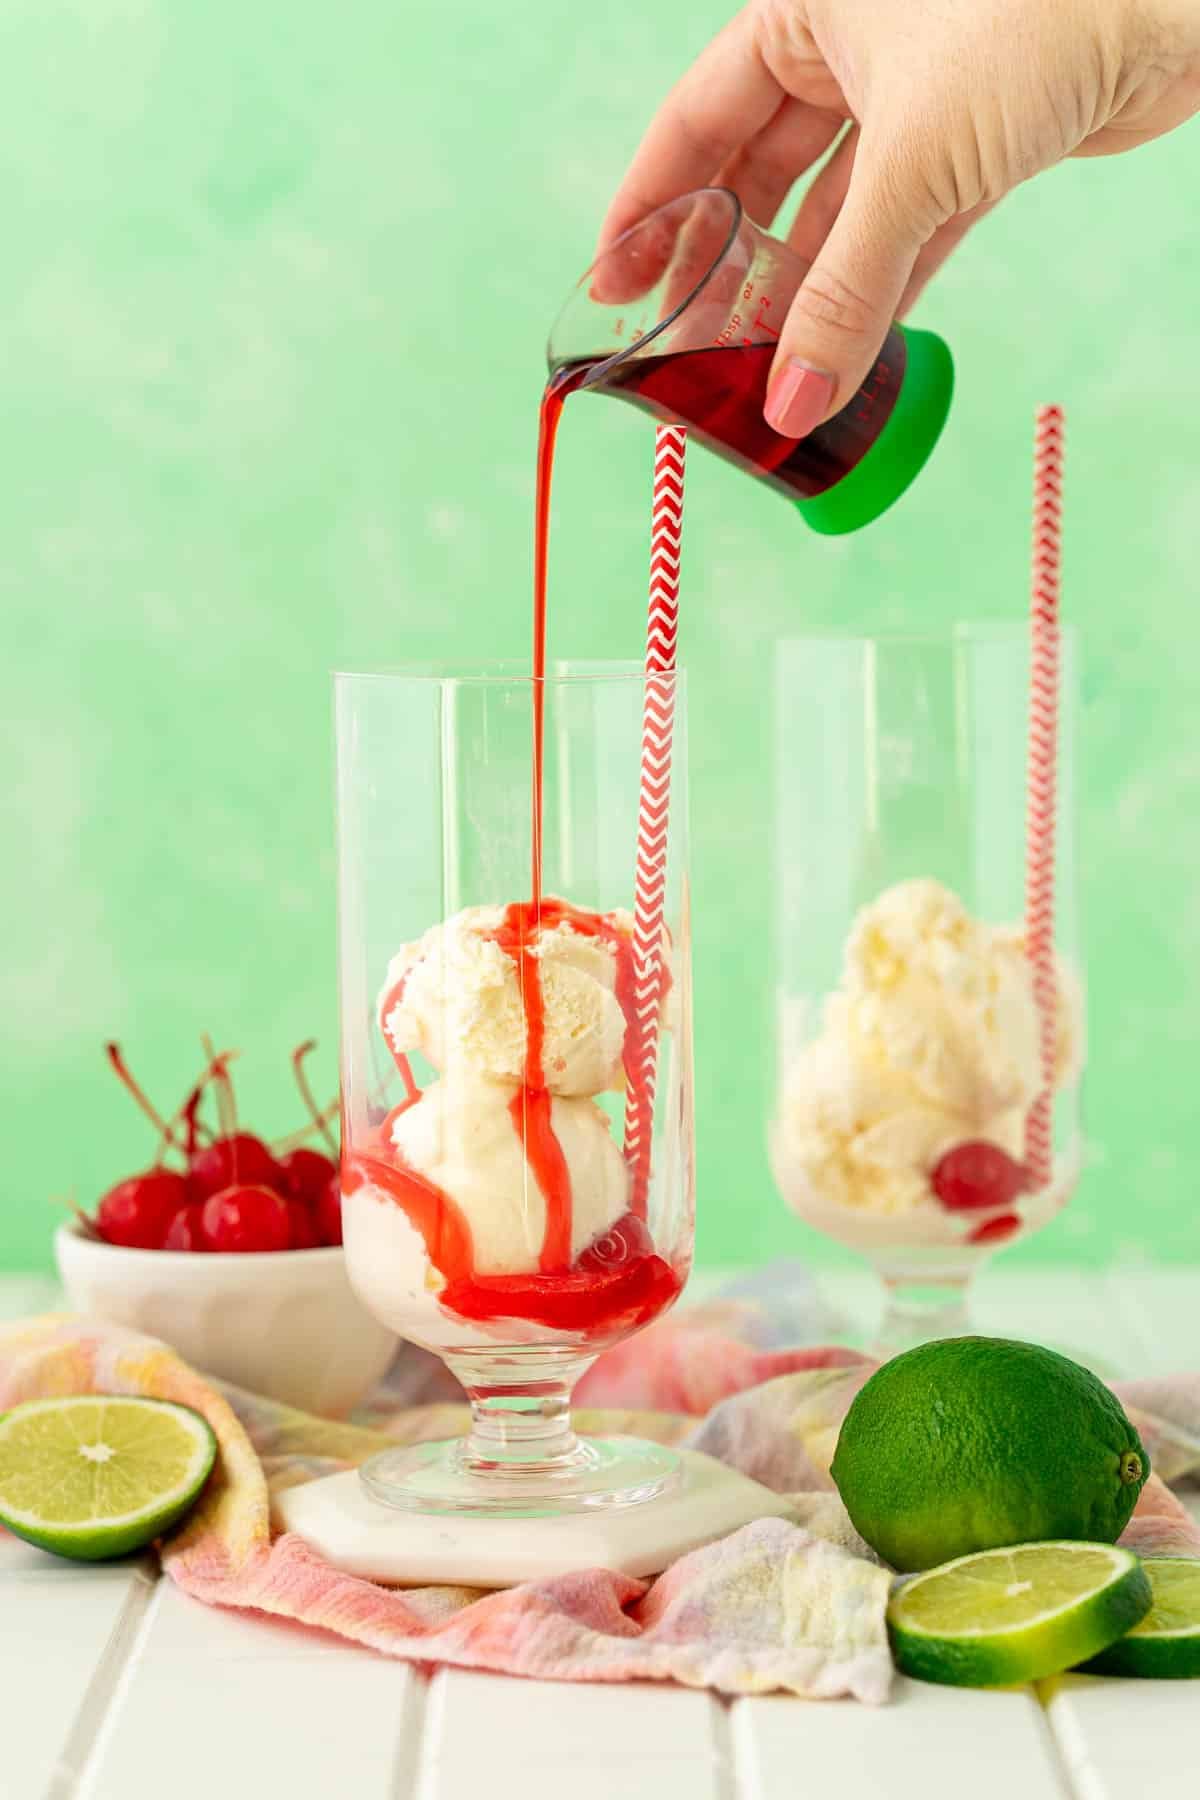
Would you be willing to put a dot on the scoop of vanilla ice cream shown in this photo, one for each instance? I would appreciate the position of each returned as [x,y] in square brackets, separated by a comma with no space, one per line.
[936,998]
[932,1039]
[461,1002]
[852,1131]
[461,1135]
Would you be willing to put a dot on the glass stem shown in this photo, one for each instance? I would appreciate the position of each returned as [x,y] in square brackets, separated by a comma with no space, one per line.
[522,1422]
[919,1310]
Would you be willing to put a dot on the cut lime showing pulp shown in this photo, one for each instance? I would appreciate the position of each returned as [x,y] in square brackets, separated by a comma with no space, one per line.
[1015,1614]
[1166,1643]
[99,1475]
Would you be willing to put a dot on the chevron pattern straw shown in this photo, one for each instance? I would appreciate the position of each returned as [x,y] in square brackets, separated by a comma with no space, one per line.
[1041,795]
[654,801]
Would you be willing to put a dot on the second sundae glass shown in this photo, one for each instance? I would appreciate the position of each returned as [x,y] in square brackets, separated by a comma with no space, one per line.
[517,1168]
[910,1053]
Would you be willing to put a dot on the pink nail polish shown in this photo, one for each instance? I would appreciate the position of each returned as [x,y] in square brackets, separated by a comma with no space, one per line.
[798,398]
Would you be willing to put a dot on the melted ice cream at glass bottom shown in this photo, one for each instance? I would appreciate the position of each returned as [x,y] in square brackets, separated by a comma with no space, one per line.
[931,1040]
[500,1195]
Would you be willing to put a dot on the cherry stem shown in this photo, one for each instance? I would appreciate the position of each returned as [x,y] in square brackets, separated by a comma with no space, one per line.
[189,1111]
[218,1071]
[294,1139]
[190,1106]
[86,1225]
[306,1093]
[186,1117]
[166,1132]
[82,1219]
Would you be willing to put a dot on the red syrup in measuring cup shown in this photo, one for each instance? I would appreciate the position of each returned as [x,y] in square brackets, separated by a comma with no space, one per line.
[718,393]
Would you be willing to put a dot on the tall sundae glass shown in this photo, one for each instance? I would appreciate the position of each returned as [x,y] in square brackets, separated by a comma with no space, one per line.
[517,1166]
[912,1063]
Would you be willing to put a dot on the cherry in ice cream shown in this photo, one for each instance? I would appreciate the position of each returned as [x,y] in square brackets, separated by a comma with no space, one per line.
[977,1177]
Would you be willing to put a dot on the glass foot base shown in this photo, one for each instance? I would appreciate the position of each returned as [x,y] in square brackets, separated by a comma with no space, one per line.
[919,1311]
[916,1312]
[598,1473]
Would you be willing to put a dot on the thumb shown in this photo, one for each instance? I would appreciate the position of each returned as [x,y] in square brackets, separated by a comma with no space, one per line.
[842,312]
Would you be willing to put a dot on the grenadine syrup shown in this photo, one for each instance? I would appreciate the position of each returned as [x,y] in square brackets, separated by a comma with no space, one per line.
[718,393]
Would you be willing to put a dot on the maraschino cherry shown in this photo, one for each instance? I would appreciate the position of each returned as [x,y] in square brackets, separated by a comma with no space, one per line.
[232,1161]
[137,1212]
[237,1194]
[977,1177]
[302,1227]
[628,1239]
[246,1219]
[186,1230]
[305,1173]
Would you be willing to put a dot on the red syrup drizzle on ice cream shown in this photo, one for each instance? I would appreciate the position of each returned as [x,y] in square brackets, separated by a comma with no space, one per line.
[619,1282]
[532,1105]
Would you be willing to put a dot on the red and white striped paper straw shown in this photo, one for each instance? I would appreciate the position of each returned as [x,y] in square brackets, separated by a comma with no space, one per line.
[654,799]
[1042,773]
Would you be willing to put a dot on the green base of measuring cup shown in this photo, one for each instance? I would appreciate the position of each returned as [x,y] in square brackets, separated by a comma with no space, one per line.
[902,448]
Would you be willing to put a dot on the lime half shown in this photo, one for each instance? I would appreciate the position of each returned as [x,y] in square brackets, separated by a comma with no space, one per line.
[1015,1614]
[1166,1644]
[97,1476]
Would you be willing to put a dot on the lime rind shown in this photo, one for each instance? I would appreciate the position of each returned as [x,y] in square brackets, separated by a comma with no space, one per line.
[1158,1648]
[983,1620]
[153,1454]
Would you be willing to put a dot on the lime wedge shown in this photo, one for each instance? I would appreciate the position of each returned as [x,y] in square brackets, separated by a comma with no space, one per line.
[97,1476]
[1015,1614]
[1166,1644]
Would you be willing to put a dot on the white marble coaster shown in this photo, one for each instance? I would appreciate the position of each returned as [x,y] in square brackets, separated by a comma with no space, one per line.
[354,1533]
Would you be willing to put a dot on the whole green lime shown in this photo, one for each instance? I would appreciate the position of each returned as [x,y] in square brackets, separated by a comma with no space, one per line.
[972,1443]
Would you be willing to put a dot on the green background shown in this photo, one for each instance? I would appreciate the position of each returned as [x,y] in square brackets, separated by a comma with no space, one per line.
[275,285]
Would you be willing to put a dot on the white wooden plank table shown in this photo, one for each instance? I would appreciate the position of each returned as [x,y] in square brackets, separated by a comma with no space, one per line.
[116,1686]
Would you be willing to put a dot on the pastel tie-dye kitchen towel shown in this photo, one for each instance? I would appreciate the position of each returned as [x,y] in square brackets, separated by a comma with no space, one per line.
[796,1604]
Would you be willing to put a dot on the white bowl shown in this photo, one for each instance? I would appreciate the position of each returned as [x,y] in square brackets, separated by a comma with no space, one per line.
[285,1323]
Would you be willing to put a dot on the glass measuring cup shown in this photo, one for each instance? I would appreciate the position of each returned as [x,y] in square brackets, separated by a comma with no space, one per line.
[681,317]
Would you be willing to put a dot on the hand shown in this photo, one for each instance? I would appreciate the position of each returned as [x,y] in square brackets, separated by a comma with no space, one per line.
[938,108]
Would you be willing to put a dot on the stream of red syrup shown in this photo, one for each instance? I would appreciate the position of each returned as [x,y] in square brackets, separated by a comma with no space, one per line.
[620,1282]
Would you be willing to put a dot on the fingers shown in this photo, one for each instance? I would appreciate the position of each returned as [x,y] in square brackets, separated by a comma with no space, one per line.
[823,201]
[761,174]
[763,171]
[724,100]
[841,314]
[933,254]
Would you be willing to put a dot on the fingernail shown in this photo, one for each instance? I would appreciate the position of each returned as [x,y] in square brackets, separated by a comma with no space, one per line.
[798,398]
